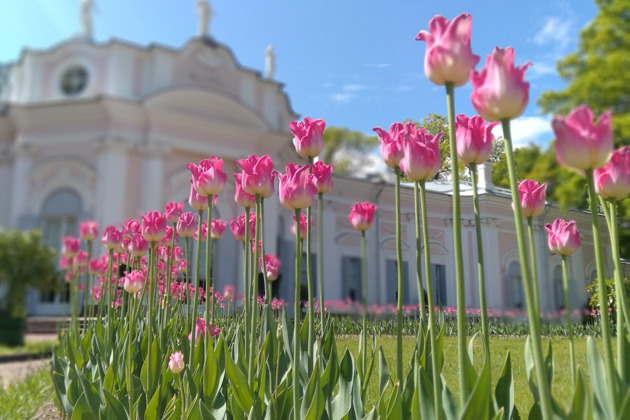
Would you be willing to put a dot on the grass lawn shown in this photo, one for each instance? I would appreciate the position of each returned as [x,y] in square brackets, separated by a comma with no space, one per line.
[561,389]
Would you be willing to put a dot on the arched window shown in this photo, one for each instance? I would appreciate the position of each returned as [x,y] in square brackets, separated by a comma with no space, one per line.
[515,286]
[59,217]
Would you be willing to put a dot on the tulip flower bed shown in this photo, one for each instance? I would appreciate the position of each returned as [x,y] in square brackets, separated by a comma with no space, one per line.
[160,347]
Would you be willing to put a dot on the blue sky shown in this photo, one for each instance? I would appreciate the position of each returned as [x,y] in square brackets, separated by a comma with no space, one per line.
[354,63]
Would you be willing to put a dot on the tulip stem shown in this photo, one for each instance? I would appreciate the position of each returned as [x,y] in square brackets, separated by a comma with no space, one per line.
[567,308]
[620,295]
[458,253]
[480,267]
[603,302]
[532,252]
[433,324]
[534,315]
[421,302]
[297,342]
[209,319]
[247,279]
[399,260]
[320,260]
[309,280]
[364,302]
[193,326]
[256,265]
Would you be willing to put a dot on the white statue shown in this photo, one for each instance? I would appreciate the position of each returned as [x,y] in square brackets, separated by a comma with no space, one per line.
[204,10]
[270,62]
[86,17]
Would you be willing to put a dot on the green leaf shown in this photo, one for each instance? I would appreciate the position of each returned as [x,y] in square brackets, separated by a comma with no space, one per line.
[383,374]
[113,406]
[238,383]
[580,408]
[342,404]
[82,410]
[504,391]
[478,404]
[599,383]
[151,366]
[212,377]
[89,392]
[151,413]
[287,334]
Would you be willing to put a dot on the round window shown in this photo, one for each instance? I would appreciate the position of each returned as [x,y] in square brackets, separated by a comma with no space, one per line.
[74,80]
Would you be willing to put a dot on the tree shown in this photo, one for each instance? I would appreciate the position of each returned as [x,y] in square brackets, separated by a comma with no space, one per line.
[345,149]
[596,75]
[24,262]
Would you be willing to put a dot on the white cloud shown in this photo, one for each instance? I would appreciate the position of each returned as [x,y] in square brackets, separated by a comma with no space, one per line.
[526,130]
[555,30]
[540,68]
[378,65]
[348,92]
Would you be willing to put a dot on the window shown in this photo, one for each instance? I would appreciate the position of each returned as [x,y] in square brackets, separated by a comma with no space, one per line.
[391,267]
[60,214]
[74,80]
[351,277]
[515,286]
[438,275]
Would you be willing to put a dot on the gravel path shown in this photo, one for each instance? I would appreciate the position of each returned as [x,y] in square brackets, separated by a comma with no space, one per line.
[16,371]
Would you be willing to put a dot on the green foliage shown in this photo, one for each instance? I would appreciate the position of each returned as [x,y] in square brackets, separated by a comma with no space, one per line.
[24,262]
[354,143]
[593,290]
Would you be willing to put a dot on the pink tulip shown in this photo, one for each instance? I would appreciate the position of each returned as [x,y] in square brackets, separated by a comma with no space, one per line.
[258,175]
[197,201]
[237,226]
[303,226]
[112,237]
[362,215]
[228,291]
[449,57]
[613,179]
[173,211]
[499,89]
[391,144]
[297,187]
[217,227]
[532,196]
[580,144]
[80,260]
[133,281]
[242,198]
[70,246]
[200,329]
[131,228]
[176,362]
[474,139]
[138,246]
[153,226]
[168,238]
[88,230]
[272,266]
[208,178]
[323,177]
[94,266]
[187,224]
[308,137]
[422,153]
[564,239]
[204,232]
[96,293]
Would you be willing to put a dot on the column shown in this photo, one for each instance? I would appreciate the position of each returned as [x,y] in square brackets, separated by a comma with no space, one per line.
[22,165]
[152,185]
[112,181]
